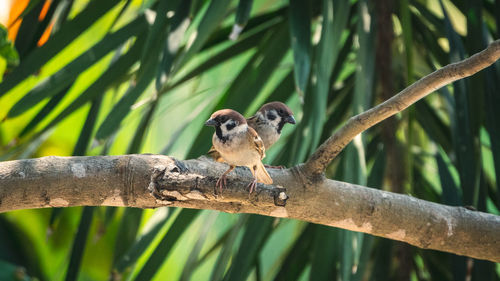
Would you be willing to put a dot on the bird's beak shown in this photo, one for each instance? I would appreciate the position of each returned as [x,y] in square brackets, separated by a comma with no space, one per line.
[211,122]
[290,119]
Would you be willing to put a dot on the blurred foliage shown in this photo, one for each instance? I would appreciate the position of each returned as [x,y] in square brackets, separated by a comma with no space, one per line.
[8,54]
[118,77]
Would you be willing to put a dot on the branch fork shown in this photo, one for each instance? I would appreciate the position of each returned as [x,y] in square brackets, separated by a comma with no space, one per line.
[302,192]
[319,160]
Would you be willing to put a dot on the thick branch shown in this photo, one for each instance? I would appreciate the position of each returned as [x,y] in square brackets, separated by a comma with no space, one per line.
[318,162]
[149,181]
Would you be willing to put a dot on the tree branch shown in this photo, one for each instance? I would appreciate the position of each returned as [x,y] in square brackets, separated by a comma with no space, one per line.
[150,181]
[317,163]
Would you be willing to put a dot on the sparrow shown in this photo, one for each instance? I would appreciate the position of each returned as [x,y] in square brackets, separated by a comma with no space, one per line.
[268,122]
[238,145]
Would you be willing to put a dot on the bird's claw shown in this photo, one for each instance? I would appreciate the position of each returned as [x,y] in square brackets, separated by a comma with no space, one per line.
[221,183]
[252,186]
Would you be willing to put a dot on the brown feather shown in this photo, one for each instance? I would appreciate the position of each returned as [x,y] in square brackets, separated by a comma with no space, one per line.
[252,123]
[214,154]
[276,105]
[257,141]
[261,174]
[230,114]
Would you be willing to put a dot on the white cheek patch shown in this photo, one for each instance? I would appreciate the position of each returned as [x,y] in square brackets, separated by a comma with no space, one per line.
[225,125]
[235,130]
[276,120]
[240,129]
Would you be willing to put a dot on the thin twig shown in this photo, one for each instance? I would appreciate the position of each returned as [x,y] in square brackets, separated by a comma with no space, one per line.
[318,162]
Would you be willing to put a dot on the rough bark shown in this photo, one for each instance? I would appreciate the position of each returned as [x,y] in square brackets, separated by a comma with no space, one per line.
[150,181]
[318,162]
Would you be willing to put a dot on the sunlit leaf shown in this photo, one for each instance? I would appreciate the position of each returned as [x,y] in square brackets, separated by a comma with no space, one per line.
[257,230]
[7,50]
[211,19]
[113,74]
[55,83]
[297,257]
[325,253]
[182,221]
[136,250]
[300,32]
[462,127]
[451,193]
[57,42]
[242,15]
[177,29]
[227,249]
[193,256]
[249,81]
[54,101]
[316,56]
[79,244]
[129,226]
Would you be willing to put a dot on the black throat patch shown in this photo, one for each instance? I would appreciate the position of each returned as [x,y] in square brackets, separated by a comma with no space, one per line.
[218,132]
[281,124]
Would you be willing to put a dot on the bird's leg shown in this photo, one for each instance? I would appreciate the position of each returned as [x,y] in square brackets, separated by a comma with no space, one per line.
[222,181]
[275,167]
[253,184]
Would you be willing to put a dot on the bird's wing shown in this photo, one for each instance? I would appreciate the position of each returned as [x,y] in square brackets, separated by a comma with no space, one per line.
[257,141]
[215,154]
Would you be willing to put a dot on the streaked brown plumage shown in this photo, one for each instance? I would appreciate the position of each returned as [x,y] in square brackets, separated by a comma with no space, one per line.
[267,122]
[238,145]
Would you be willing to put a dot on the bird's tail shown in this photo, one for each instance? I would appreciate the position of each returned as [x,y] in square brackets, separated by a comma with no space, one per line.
[214,154]
[261,174]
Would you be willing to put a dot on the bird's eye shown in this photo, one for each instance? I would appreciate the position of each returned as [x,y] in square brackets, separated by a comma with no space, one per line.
[223,119]
[280,111]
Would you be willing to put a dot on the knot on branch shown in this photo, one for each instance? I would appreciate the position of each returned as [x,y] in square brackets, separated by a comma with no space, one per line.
[174,182]
[280,197]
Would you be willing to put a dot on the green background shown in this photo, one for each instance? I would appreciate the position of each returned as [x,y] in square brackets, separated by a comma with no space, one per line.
[114,79]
